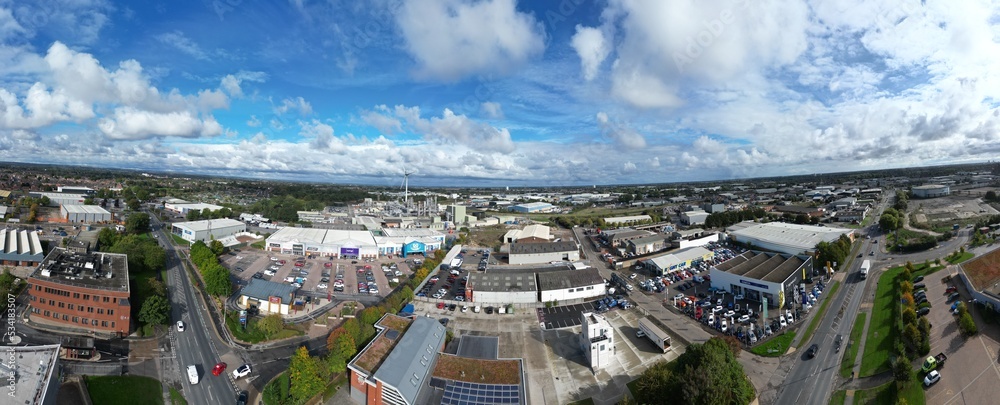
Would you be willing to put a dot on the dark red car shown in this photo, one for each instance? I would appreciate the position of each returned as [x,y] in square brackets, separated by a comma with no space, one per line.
[951,289]
[218,369]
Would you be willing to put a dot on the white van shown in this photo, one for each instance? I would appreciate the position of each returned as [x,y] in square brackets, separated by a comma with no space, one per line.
[192,372]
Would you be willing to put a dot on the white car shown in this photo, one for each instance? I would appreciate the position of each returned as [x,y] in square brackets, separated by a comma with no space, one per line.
[465,308]
[296,285]
[781,321]
[241,371]
[321,286]
[730,314]
[268,272]
[932,377]
[678,296]
[180,326]
[717,309]
[744,319]
[739,297]
[724,326]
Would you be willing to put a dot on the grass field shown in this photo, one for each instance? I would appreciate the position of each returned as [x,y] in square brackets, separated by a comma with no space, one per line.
[775,347]
[851,353]
[113,390]
[881,335]
[887,393]
[819,315]
[176,398]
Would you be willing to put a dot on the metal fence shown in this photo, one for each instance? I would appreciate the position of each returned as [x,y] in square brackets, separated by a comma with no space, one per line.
[80,368]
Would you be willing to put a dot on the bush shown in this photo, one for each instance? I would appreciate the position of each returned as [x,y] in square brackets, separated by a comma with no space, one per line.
[966,325]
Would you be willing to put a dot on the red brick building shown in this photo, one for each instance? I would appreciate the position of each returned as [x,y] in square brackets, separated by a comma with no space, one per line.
[82,293]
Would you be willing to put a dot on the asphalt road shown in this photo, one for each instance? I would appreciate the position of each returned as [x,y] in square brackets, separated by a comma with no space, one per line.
[196,345]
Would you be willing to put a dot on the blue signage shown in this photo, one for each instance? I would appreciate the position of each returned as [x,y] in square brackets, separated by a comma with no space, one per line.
[413,247]
[348,251]
[751,283]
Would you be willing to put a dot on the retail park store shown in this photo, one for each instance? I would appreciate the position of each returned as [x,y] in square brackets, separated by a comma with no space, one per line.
[762,275]
[346,244]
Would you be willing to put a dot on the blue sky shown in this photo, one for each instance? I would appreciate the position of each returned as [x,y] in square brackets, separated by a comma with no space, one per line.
[499,92]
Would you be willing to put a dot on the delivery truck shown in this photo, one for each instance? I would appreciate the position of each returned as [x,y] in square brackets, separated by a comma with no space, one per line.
[654,333]
[192,374]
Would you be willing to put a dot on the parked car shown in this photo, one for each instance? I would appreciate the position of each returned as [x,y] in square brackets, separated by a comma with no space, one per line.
[950,290]
[241,371]
[931,378]
[953,297]
[180,326]
[923,311]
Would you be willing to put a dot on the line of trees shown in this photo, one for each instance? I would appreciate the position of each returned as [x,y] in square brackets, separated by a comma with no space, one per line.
[833,252]
[216,277]
[727,218]
[205,213]
[146,259]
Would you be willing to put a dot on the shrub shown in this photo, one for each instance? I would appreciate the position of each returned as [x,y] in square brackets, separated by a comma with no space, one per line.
[966,325]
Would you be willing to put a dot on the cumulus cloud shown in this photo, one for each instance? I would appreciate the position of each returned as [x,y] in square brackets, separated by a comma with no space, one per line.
[620,133]
[448,128]
[452,39]
[131,123]
[321,136]
[253,122]
[592,48]
[298,104]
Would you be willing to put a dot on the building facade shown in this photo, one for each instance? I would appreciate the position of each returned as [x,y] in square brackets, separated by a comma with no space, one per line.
[931,191]
[392,368]
[538,253]
[208,229]
[502,288]
[566,285]
[763,275]
[20,248]
[82,292]
[85,213]
[597,341]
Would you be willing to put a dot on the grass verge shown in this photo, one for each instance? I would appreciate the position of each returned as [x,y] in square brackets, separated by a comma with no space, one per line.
[251,334]
[775,347]
[179,240]
[819,314]
[176,398]
[838,397]
[851,353]
[123,389]
[960,258]
[888,393]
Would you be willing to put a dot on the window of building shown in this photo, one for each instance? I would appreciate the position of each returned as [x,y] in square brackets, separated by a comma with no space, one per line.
[86,296]
[112,324]
[93,322]
[590,287]
[72,307]
[76,319]
[76,295]
[107,299]
[97,298]
[46,313]
[90,309]
[62,305]
[104,324]
[85,321]
[111,312]
[41,300]
[65,317]
[31,297]
[100,311]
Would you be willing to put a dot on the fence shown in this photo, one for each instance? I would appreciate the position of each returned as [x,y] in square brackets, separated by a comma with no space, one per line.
[79,368]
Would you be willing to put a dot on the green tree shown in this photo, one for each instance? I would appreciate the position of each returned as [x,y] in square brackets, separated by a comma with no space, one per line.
[193,215]
[336,363]
[353,327]
[705,374]
[133,204]
[276,393]
[271,324]
[217,247]
[217,280]
[967,325]
[909,316]
[155,311]
[902,371]
[911,335]
[137,223]
[107,237]
[157,286]
[206,213]
[304,376]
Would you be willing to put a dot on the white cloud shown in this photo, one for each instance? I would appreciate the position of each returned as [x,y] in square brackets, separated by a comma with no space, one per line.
[592,48]
[620,133]
[294,104]
[321,136]
[448,128]
[232,86]
[492,110]
[181,42]
[131,123]
[452,39]
[253,122]
[385,124]
[9,27]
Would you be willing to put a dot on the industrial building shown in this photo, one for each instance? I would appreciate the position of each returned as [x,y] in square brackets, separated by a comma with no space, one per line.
[537,253]
[20,248]
[677,260]
[507,287]
[208,229]
[185,207]
[267,296]
[530,233]
[619,237]
[75,190]
[531,207]
[597,340]
[648,244]
[31,373]
[85,213]
[393,367]
[627,220]
[782,237]
[930,191]
[762,275]
[407,241]
[981,279]
[323,242]
[694,217]
[568,285]
[57,199]
[82,293]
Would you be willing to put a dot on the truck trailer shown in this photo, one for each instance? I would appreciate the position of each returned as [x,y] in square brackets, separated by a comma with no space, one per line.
[865,267]
[654,333]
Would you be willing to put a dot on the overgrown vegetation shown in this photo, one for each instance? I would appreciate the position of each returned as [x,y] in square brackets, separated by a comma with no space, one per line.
[146,260]
[7,286]
[833,252]
[216,277]
[727,218]
[705,373]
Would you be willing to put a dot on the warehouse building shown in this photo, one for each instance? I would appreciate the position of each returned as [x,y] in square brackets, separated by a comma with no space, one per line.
[530,233]
[393,367]
[627,220]
[75,190]
[531,207]
[537,253]
[206,230]
[677,260]
[931,191]
[82,293]
[408,241]
[568,285]
[787,238]
[20,248]
[694,217]
[57,199]
[619,237]
[85,213]
[506,287]
[648,244]
[341,243]
[185,207]
[267,297]
[762,275]
[33,373]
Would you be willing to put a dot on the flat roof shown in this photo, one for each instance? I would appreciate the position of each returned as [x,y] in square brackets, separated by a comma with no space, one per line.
[502,282]
[411,232]
[801,237]
[680,256]
[204,225]
[542,247]
[84,209]
[97,270]
[984,272]
[196,206]
[765,266]
[929,187]
[559,280]
[33,368]
[649,239]
[479,347]
[410,361]
[262,289]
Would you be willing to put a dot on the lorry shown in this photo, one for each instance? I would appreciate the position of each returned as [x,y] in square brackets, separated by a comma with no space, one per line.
[933,362]
[192,374]
[865,266]
[655,334]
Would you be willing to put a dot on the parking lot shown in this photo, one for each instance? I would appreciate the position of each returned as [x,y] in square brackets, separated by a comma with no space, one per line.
[449,283]
[971,373]
[563,316]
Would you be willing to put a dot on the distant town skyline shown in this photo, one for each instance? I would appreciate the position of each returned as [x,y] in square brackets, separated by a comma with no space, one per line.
[499,92]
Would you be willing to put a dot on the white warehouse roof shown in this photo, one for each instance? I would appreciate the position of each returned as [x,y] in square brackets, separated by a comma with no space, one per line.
[204,225]
[789,238]
[84,209]
[317,236]
[680,256]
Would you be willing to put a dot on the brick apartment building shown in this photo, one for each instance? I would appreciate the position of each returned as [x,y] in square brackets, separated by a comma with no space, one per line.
[82,292]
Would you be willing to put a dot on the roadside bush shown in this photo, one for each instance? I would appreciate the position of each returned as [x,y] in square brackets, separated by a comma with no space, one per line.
[909,316]
[966,325]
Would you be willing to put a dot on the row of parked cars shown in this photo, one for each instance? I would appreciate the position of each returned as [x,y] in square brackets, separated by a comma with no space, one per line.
[608,303]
